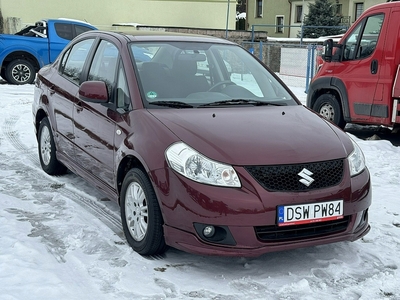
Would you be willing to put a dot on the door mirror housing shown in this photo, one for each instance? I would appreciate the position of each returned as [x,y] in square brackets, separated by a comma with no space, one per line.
[329,54]
[328,49]
[93,91]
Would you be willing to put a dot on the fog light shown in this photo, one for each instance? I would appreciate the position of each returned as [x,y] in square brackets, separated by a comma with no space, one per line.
[208,231]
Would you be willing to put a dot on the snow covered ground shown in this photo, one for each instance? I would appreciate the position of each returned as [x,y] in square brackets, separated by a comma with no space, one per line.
[60,239]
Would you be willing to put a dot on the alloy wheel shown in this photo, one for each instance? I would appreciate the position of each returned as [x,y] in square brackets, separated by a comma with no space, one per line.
[136,211]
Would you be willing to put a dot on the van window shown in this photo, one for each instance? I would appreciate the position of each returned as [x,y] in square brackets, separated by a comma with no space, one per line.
[362,41]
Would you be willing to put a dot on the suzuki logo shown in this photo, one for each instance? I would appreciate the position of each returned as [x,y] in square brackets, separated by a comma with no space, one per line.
[306,177]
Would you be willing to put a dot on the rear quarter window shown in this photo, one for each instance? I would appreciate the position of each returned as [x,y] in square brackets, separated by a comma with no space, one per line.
[70,31]
[64,31]
[81,29]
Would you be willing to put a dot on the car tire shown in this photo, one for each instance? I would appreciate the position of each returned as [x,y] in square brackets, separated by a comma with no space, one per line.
[20,71]
[328,106]
[3,74]
[47,150]
[141,217]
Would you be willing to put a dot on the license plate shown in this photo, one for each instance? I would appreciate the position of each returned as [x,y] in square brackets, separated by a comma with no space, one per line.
[310,213]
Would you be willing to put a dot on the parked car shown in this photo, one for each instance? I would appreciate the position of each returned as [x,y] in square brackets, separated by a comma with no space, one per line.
[204,149]
[24,53]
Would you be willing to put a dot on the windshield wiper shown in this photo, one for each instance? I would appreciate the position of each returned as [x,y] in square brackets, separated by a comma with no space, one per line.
[243,102]
[174,104]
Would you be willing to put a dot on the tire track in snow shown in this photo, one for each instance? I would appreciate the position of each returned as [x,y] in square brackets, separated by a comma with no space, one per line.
[105,215]
[13,137]
[110,219]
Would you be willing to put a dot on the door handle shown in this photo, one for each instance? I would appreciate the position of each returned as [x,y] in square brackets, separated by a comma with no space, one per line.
[374,66]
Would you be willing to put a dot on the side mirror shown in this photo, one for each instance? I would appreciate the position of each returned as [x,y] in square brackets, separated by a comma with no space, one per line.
[328,48]
[93,91]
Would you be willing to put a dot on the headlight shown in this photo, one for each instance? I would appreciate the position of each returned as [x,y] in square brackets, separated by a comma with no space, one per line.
[197,167]
[356,160]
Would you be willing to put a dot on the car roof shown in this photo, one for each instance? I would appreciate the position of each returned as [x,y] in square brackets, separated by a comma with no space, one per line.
[152,36]
[66,20]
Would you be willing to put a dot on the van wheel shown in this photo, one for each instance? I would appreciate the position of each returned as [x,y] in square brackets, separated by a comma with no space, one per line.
[47,150]
[20,71]
[328,106]
[140,214]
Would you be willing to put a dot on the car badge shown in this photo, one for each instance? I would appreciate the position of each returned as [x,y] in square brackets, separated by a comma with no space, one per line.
[306,178]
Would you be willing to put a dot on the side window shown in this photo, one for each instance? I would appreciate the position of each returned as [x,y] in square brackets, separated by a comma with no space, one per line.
[370,36]
[279,22]
[362,41]
[104,64]
[64,31]
[74,59]
[122,94]
[81,29]
[259,8]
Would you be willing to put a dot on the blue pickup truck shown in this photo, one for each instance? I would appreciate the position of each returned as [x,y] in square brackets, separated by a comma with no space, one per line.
[24,53]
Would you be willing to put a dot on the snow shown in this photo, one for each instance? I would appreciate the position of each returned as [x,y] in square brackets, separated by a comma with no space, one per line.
[241,15]
[61,239]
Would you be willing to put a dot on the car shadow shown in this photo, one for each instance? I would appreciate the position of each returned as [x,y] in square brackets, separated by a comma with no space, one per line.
[369,132]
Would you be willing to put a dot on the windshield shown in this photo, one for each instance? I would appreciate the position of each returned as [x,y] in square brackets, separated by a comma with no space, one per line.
[187,74]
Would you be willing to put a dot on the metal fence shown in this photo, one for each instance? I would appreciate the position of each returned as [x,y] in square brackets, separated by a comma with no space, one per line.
[300,29]
[296,64]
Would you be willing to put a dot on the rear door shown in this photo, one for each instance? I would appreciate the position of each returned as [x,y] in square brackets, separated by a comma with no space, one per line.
[362,65]
[62,92]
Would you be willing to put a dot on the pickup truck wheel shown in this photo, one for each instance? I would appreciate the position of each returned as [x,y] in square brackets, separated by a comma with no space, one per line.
[140,214]
[328,106]
[47,150]
[3,74]
[20,71]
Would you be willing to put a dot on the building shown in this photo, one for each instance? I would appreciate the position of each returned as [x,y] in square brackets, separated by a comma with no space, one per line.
[283,18]
[103,14]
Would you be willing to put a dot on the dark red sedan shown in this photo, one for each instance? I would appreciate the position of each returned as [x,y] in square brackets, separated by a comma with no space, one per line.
[202,146]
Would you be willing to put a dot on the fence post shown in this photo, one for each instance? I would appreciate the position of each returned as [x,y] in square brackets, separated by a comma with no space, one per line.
[260,55]
[308,67]
[301,35]
[313,48]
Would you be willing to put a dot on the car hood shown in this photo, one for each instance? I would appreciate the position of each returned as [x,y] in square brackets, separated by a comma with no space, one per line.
[257,135]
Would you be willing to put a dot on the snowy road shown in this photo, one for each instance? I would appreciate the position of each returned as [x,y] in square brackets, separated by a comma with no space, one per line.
[60,239]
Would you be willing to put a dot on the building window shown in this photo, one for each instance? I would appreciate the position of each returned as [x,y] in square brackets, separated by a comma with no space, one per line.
[299,13]
[338,9]
[279,24]
[359,10]
[259,8]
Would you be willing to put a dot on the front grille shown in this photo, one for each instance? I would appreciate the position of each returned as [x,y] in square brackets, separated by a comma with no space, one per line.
[286,177]
[296,232]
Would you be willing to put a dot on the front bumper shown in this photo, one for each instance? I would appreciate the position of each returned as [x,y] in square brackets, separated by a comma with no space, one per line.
[244,211]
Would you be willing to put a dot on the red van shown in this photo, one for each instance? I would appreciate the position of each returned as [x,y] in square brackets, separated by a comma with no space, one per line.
[358,82]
